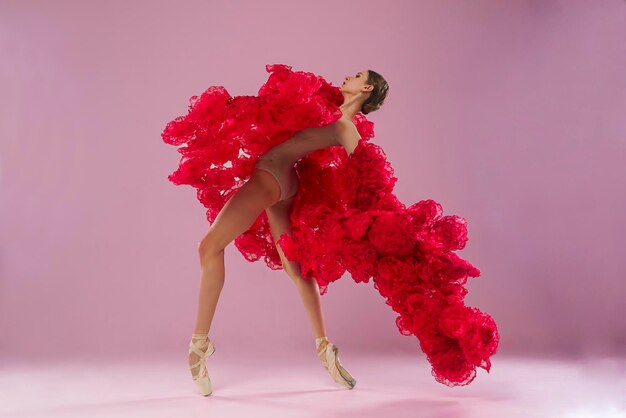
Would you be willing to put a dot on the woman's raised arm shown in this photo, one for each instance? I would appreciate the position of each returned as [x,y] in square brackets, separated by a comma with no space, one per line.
[342,130]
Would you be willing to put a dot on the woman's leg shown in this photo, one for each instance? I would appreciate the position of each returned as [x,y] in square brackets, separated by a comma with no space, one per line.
[237,215]
[278,216]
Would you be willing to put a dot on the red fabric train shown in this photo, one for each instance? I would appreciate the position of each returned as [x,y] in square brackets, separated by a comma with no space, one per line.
[345,216]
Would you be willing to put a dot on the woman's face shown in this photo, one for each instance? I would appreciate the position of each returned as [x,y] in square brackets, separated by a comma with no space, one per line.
[355,83]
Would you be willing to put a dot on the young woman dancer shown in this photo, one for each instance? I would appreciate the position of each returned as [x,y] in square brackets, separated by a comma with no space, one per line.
[290,176]
[272,188]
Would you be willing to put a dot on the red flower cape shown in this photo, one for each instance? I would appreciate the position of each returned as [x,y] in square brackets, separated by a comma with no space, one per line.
[345,216]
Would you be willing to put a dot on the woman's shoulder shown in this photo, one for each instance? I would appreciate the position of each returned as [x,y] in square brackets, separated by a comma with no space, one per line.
[348,127]
[347,134]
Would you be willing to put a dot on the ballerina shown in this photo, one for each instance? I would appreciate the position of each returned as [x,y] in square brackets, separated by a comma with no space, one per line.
[272,188]
[290,176]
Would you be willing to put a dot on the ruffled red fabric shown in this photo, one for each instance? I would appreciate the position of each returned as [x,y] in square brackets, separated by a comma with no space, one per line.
[345,217]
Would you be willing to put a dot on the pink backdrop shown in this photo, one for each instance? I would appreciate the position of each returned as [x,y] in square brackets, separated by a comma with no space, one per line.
[510,114]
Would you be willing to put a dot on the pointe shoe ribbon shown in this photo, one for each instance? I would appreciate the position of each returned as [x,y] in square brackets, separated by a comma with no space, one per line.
[203,347]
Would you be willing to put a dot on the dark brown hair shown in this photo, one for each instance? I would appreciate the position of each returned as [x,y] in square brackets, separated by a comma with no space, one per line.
[378,93]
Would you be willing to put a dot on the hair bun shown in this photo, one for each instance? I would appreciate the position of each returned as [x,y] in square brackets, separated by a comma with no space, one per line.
[369,107]
[378,94]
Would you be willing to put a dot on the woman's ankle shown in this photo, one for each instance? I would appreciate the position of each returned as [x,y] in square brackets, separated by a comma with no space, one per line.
[320,342]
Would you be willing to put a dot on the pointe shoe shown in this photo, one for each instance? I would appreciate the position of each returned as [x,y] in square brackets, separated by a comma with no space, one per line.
[203,347]
[329,355]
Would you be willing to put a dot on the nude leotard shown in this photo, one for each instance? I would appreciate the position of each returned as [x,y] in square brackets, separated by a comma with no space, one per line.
[279,160]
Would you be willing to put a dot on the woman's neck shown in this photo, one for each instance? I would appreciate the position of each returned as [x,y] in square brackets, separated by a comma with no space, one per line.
[351,106]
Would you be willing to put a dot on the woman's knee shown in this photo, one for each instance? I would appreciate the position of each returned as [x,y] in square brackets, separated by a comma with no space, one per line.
[209,247]
[304,285]
[292,273]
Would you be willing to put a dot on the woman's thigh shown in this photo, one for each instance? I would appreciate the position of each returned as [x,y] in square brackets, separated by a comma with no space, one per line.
[240,211]
[278,217]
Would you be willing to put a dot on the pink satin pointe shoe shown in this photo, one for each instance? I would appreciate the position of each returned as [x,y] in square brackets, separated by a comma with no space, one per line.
[329,355]
[203,347]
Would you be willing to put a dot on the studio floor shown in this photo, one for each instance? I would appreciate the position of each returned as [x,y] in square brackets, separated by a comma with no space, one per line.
[270,385]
